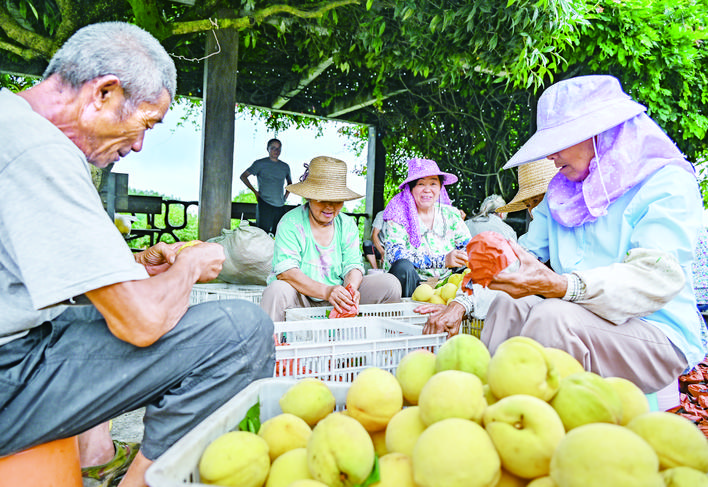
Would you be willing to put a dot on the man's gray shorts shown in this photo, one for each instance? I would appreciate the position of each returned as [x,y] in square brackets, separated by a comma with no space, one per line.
[71,374]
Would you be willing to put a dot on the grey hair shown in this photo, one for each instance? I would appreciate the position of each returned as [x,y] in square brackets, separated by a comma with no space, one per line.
[490,204]
[123,50]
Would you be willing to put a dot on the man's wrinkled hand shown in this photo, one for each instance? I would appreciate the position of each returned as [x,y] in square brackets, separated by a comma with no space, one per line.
[159,257]
[448,320]
[209,256]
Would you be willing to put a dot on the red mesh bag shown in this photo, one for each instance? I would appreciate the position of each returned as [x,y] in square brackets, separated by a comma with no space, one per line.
[351,312]
[488,254]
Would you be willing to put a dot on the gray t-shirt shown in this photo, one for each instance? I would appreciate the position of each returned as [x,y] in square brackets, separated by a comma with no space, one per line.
[271,176]
[56,240]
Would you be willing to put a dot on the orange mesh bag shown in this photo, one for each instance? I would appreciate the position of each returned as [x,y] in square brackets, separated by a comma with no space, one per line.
[351,312]
[488,254]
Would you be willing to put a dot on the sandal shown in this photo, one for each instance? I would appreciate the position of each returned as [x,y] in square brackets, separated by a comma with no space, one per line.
[111,472]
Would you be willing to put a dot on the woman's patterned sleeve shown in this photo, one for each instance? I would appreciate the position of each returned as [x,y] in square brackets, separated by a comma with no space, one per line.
[458,229]
[398,247]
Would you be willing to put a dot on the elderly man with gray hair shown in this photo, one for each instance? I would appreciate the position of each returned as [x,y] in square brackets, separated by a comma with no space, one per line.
[90,330]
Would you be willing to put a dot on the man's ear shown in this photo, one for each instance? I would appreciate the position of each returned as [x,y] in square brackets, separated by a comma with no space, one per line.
[106,91]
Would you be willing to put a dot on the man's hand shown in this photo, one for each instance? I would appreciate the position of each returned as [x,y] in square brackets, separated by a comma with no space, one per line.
[158,258]
[209,258]
[456,258]
[447,320]
[532,278]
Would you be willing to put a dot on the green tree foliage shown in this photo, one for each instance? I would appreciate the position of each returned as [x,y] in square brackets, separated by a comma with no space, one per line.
[472,120]
[658,49]
[455,81]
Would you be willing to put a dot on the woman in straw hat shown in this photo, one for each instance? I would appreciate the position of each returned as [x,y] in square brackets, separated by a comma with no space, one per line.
[425,235]
[618,226]
[533,183]
[317,252]
[488,218]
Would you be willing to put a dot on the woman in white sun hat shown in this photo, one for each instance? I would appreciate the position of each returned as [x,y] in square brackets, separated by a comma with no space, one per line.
[317,252]
[618,227]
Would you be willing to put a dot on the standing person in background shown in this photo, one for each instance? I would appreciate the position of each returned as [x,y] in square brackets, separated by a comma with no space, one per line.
[272,176]
[66,366]
[488,218]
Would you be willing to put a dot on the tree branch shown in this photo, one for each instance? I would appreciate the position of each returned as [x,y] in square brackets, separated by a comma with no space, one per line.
[40,46]
[19,51]
[242,23]
[303,14]
[67,10]
[312,74]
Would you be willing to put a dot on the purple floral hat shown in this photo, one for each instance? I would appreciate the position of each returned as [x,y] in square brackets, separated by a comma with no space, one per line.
[422,168]
[402,208]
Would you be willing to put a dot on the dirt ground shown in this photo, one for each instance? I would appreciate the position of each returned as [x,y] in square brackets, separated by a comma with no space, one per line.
[129,426]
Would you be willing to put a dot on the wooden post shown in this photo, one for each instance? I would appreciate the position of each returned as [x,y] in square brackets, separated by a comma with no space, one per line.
[220,74]
[375,177]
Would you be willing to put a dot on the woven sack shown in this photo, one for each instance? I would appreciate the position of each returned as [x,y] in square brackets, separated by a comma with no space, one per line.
[249,255]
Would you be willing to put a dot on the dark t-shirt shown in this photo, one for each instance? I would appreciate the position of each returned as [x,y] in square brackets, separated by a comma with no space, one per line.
[271,176]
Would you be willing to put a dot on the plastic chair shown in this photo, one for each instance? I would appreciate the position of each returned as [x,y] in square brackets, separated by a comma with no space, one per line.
[52,464]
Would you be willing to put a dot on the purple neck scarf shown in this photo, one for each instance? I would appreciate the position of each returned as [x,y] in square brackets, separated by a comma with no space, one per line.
[625,155]
[403,210]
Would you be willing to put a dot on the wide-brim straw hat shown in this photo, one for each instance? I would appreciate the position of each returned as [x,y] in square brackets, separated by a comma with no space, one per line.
[533,181]
[422,168]
[575,110]
[326,181]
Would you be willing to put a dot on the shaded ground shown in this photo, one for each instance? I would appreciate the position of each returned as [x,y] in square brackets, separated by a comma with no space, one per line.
[129,426]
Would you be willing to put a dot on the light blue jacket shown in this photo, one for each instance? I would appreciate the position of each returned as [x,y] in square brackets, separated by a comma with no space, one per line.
[664,212]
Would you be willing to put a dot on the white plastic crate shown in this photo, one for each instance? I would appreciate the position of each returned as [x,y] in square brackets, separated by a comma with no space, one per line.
[395,311]
[338,350]
[178,466]
[211,292]
[472,326]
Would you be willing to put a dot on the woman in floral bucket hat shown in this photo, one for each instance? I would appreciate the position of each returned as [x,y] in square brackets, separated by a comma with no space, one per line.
[425,235]
[317,252]
[618,226]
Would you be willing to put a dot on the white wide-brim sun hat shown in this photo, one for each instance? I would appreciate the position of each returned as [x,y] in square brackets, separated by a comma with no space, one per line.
[575,110]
